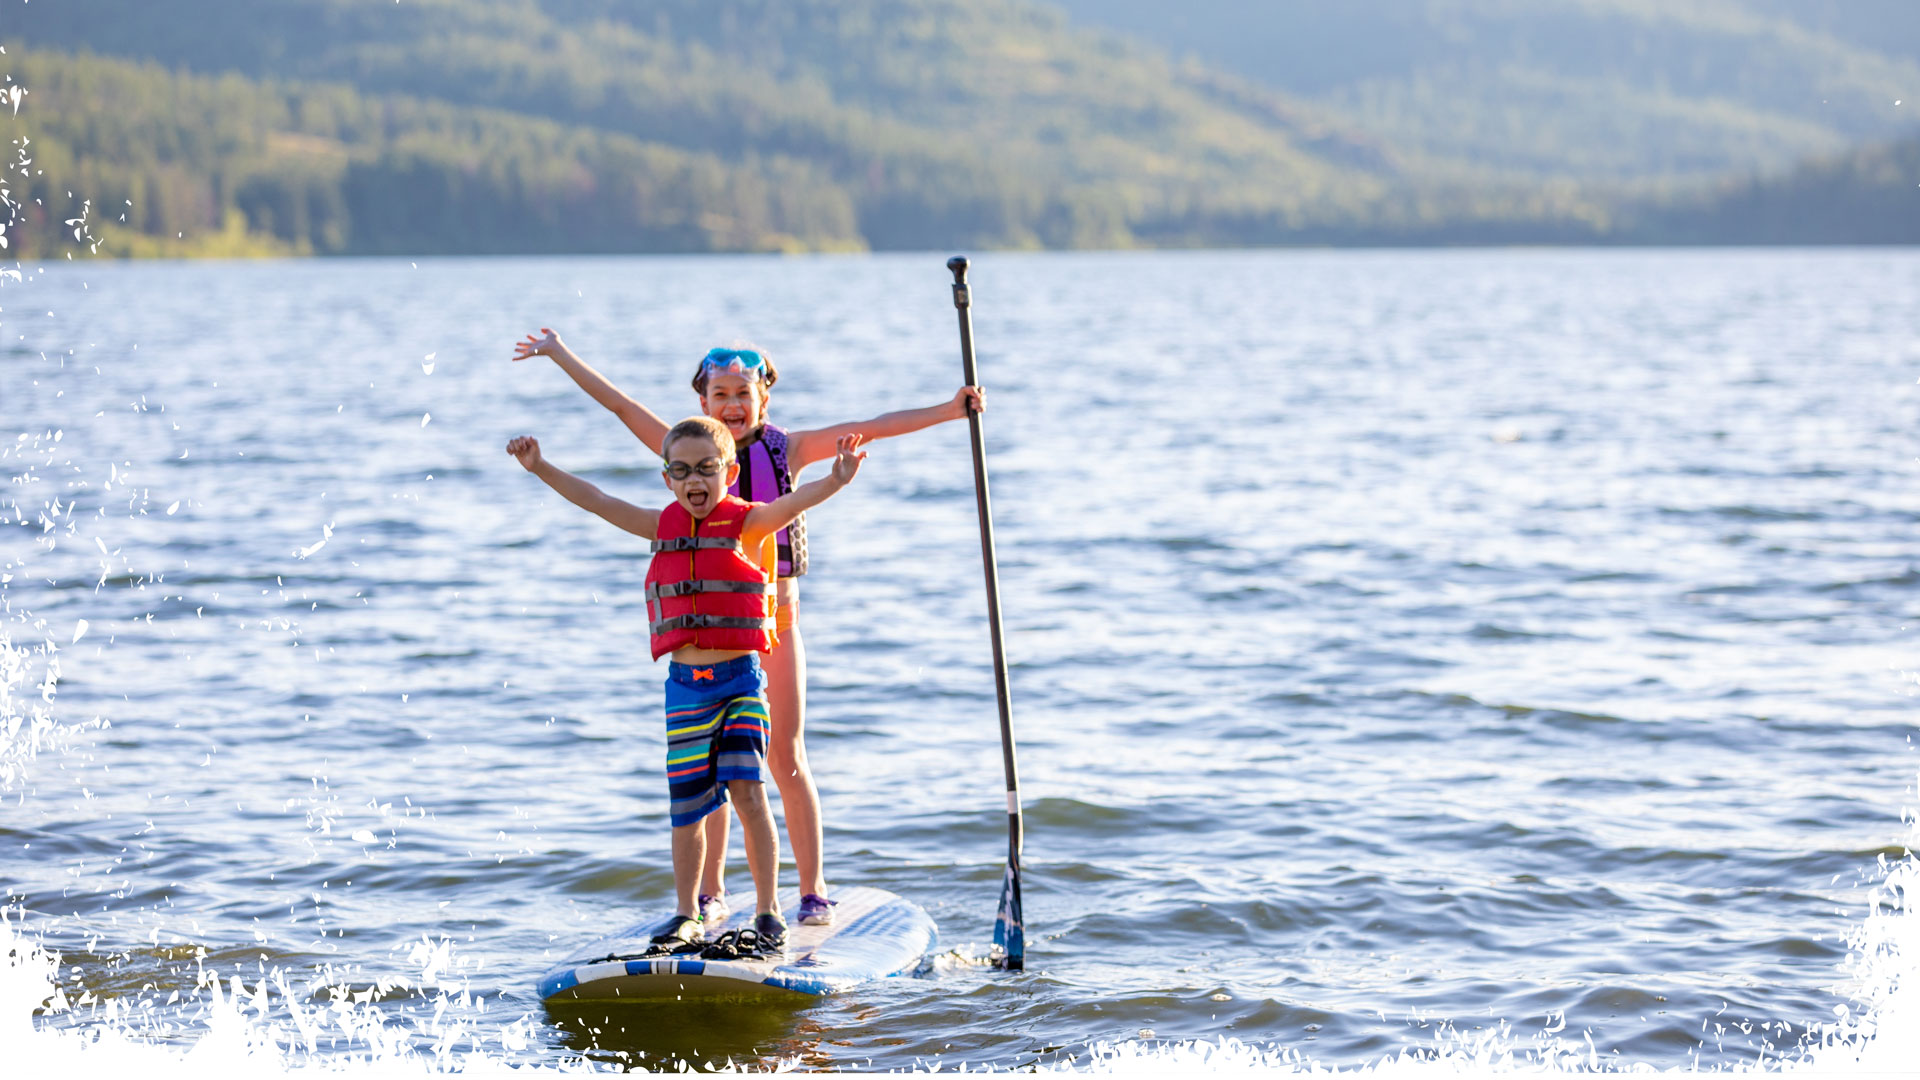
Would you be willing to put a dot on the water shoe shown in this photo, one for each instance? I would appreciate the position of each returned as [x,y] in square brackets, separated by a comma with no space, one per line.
[816,910]
[682,935]
[771,930]
[714,910]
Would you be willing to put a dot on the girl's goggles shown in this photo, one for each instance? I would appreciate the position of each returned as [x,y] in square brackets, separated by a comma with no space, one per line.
[745,363]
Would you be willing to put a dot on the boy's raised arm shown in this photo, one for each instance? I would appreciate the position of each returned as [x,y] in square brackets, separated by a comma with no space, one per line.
[807,447]
[768,518]
[640,420]
[635,519]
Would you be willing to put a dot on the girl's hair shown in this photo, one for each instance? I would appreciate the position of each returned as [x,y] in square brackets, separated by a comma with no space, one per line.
[699,427]
[766,360]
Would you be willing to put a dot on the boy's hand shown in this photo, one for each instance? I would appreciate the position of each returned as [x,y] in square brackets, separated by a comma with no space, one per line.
[765,518]
[849,459]
[969,399]
[546,344]
[527,449]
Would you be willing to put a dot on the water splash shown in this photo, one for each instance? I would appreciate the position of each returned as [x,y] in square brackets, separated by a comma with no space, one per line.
[28,677]
[1883,963]
[278,1026]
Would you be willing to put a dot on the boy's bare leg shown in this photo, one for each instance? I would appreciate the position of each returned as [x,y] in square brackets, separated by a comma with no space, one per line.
[763,844]
[786,668]
[689,851]
[713,868]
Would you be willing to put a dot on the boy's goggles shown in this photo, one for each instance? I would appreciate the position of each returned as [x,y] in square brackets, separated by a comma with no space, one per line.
[680,470]
[745,363]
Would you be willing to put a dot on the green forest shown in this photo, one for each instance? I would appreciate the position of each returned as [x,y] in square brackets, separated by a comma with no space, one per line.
[171,163]
[235,127]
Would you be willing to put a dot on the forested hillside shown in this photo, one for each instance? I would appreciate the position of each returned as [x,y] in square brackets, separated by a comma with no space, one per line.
[1870,195]
[917,122]
[317,168]
[475,126]
[1582,89]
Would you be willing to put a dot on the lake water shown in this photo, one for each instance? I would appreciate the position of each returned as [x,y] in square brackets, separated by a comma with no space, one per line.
[1453,652]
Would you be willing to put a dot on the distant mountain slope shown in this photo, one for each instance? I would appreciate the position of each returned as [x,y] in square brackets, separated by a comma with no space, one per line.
[1589,89]
[1888,27]
[991,122]
[1869,195]
[692,125]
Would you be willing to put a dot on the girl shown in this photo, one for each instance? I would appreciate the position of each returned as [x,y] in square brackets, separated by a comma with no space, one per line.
[734,386]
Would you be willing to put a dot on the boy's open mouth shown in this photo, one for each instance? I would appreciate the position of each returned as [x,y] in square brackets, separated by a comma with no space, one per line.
[697,497]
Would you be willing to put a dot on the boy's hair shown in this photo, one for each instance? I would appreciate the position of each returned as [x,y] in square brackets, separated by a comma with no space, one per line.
[767,379]
[699,427]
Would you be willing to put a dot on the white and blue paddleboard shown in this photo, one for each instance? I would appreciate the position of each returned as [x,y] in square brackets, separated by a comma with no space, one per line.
[874,934]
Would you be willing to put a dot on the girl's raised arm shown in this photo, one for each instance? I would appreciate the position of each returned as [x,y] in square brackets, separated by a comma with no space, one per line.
[640,420]
[806,447]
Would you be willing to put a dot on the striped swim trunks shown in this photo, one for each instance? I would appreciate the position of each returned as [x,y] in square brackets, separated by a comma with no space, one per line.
[716,732]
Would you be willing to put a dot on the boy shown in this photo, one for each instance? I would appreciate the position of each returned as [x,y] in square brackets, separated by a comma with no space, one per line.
[710,597]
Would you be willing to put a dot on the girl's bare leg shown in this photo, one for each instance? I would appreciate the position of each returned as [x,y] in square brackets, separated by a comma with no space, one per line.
[786,669]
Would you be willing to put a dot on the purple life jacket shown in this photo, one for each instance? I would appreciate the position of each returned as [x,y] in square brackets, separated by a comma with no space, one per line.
[764,477]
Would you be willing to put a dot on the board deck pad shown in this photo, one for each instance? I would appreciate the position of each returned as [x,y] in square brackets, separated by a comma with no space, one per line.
[874,934]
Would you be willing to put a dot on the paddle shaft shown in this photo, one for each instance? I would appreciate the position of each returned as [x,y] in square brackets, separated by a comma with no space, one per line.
[962,303]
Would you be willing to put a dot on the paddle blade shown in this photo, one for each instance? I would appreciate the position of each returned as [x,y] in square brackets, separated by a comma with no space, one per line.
[1009,935]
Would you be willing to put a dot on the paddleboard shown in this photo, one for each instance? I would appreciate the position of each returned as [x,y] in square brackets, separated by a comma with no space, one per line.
[875,934]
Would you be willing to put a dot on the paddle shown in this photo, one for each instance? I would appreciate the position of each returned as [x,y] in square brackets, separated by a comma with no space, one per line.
[1009,936]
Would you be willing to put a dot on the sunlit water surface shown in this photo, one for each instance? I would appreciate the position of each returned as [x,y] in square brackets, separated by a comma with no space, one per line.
[1460,653]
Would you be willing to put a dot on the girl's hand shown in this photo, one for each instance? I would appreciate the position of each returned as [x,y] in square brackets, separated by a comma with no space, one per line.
[547,344]
[527,449]
[849,459]
[969,399]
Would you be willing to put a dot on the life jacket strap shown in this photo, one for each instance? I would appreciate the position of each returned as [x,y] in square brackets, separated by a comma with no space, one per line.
[688,588]
[693,543]
[709,622]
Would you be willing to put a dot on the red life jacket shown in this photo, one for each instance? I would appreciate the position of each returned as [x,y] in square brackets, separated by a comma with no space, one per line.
[702,590]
